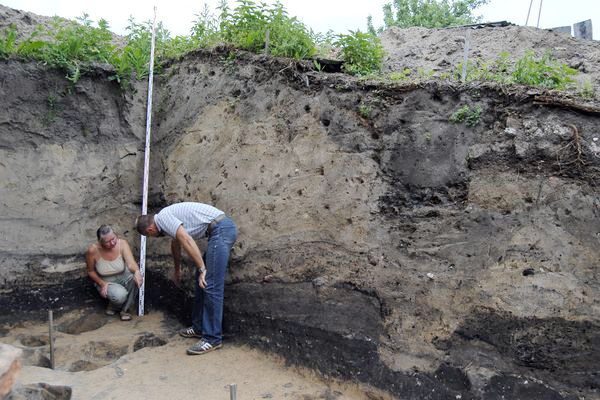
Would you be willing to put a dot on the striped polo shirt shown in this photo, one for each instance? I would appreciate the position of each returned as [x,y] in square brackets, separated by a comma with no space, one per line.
[195,218]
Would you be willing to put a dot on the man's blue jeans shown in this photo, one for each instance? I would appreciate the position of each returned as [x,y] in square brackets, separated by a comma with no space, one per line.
[207,312]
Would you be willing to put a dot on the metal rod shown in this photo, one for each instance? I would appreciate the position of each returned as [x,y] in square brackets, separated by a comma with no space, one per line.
[463,77]
[233,391]
[51,337]
[146,169]
[528,12]
[540,13]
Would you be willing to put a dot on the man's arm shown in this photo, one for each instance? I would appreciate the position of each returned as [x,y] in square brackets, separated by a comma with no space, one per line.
[130,261]
[176,253]
[91,269]
[189,245]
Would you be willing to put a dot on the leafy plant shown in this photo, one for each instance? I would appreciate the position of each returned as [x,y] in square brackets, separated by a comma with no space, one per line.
[544,71]
[8,42]
[362,52]
[429,13]
[364,109]
[472,116]
[586,89]
[528,70]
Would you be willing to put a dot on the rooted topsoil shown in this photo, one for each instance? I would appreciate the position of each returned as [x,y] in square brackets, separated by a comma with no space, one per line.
[379,241]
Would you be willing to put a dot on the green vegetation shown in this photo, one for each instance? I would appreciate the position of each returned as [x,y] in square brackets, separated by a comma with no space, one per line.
[364,109]
[77,47]
[530,70]
[472,116]
[428,13]
[586,89]
[362,52]
[246,27]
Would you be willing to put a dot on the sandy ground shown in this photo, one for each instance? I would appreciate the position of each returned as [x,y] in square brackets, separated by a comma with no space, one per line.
[164,371]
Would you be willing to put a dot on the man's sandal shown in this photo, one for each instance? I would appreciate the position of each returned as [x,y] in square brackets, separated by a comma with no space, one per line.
[125,316]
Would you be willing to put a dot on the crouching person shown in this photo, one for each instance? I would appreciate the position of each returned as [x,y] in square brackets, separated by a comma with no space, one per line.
[115,273]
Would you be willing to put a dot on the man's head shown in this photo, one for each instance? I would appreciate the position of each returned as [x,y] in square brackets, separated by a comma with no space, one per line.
[106,237]
[145,225]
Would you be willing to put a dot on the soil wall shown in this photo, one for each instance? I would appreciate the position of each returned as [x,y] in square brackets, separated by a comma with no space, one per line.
[378,240]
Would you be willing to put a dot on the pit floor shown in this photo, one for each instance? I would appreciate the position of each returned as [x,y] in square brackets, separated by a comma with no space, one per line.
[94,355]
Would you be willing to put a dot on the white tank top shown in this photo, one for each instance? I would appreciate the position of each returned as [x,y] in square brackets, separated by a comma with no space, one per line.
[108,268]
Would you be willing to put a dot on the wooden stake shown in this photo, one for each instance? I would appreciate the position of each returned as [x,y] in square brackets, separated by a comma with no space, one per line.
[51,337]
[463,77]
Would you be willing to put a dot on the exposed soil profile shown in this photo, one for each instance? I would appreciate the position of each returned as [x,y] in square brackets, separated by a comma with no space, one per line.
[383,241]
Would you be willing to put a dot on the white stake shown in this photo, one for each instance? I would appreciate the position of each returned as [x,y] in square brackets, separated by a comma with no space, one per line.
[233,391]
[146,168]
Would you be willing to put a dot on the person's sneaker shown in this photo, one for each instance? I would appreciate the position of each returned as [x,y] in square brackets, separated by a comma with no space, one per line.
[203,347]
[190,333]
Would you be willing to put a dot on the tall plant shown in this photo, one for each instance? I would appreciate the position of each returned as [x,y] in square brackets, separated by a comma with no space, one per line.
[430,13]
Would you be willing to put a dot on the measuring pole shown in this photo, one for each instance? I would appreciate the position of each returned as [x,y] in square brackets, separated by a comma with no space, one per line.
[528,12]
[540,13]
[146,169]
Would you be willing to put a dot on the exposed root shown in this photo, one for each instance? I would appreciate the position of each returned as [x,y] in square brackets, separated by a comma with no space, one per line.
[555,101]
[575,144]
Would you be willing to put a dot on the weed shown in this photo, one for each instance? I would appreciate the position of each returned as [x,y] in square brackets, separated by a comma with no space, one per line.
[51,109]
[544,72]
[8,42]
[400,76]
[427,136]
[317,66]
[364,109]
[586,89]
[362,52]
[465,114]
[474,116]
[229,62]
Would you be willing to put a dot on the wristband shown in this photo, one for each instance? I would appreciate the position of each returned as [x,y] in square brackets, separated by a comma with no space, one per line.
[203,269]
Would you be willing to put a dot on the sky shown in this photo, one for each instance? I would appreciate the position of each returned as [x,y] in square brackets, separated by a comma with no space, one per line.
[320,15]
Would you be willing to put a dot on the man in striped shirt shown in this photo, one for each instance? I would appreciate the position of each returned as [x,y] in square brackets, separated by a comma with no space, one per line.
[184,222]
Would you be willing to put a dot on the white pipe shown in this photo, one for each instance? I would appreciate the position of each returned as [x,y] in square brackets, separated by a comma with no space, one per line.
[528,12]
[146,169]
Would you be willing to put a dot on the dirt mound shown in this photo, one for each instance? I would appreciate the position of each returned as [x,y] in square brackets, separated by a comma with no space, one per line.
[441,50]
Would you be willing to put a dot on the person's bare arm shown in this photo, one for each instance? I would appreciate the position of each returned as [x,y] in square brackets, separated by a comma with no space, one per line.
[91,269]
[176,253]
[130,261]
[189,245]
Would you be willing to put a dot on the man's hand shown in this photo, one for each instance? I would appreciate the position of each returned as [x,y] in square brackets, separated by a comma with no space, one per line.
[137,277]
[202,279]
[104,290]
[177,277]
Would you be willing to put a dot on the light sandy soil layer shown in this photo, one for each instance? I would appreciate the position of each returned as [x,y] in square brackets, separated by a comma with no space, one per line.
[160,371]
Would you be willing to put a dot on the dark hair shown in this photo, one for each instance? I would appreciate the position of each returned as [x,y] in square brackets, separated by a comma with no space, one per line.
[143,222]
[103,230]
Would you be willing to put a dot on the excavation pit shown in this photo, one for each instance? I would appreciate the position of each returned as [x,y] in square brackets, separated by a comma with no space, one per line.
[145,358]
